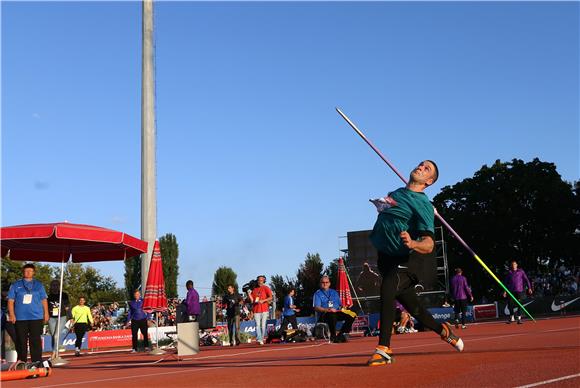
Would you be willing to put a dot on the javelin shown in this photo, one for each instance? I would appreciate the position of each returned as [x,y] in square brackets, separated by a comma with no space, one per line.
[453,232]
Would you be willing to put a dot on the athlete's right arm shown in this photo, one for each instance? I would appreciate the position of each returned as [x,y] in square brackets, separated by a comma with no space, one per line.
[424,245]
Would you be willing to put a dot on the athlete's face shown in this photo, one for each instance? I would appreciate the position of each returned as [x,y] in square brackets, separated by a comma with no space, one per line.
[230,289]
[424,173]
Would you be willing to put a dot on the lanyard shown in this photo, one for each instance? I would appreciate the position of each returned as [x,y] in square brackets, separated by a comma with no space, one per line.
[28,290]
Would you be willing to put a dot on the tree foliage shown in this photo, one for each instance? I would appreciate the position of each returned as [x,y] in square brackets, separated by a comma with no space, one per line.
[332,272]
[170,255]
[81,280]
[78,280]
[132,276]
[12,271]
[221,279]
[511,210]
[281,286]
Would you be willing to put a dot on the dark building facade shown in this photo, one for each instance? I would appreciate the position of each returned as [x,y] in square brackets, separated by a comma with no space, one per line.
[360,251]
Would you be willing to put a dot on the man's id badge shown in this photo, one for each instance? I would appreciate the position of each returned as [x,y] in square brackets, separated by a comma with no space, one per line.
[330,304]
[55,312]
[27,299]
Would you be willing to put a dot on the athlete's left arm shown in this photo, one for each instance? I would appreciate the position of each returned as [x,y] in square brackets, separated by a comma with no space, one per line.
[423,244]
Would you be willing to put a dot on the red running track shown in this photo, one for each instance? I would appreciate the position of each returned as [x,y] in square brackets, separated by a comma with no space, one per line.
[495,355]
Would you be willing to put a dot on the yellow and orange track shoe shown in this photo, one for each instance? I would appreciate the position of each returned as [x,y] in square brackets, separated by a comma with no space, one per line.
[383,355]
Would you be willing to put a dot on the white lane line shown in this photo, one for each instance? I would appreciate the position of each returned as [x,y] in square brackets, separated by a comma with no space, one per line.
[550,381]
[132,377]
[216,356]
[273,361]
[566,329]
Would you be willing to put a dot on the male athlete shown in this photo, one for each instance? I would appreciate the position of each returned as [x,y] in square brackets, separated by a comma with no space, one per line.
[403,235]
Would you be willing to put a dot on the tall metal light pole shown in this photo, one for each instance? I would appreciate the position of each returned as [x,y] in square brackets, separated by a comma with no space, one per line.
[148,173]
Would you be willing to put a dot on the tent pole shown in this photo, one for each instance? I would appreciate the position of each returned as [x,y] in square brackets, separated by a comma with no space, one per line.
[353,290]
[157,351]
[57,360]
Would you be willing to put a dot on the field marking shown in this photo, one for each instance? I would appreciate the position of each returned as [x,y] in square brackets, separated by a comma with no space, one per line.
[566,329]
[290,348]
[130,377]
[216,356]
[549,381]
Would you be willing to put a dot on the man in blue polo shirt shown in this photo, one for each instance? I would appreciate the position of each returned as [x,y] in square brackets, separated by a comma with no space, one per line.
[28,310]
[329,310]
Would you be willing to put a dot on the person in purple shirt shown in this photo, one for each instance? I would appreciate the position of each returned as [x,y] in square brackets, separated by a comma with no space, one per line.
[137,318]
[191,302]
[514,281]
[460,292]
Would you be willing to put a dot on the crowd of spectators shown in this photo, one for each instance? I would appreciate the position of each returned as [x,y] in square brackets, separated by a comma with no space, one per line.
[106,316]
[560,280]
[169,317]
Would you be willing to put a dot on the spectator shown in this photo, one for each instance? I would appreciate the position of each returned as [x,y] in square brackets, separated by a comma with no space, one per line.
[6,325]
[57,314]
[232,303]
[368,282]
[27,309]
[289,311]
[516,281]
[82,318]
[327,305]
[260,297]
[460,292]
[191,303]
[138,319]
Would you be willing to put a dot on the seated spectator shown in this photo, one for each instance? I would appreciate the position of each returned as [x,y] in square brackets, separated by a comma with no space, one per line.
[328,309]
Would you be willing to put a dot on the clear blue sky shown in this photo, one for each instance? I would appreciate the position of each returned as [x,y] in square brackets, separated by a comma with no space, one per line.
[255,168]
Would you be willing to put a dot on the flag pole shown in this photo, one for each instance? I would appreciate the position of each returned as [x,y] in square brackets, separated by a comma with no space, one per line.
[439,217]
[353,289]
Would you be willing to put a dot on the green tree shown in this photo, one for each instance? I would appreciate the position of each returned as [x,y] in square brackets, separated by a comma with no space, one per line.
[511,210]
[12,271]
[280,287]
[81,280]
[332,272]
[170,255]
[221,279]
[307,281]
[132,275]
[77,280]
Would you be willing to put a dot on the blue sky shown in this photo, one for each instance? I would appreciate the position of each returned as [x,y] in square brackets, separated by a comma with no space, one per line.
[255,168]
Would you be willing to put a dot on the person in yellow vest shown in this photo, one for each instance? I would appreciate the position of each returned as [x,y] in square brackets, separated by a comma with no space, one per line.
[82,316]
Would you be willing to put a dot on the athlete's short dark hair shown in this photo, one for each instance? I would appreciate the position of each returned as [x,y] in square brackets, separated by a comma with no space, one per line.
[436,176]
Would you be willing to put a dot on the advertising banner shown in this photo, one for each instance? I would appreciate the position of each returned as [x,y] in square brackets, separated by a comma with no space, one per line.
[485,311]
[446,314]
[68,343]
[109,339]
[547,305]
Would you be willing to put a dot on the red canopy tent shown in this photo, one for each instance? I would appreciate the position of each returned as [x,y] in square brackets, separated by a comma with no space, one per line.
[61,241]
[57,242]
